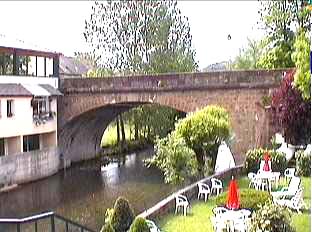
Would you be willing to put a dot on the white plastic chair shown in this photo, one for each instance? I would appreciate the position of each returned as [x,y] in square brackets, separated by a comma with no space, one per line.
[152,226]
[289,191]
[218,224]
[240,224]
[253,181]
[217,185]
[182,202]
[296,202]
[219,210]
[203,189]
[289,173]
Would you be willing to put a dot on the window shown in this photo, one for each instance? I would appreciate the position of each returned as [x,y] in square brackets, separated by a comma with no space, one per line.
[10,108]
[40,106]
[30,143]
[2,150]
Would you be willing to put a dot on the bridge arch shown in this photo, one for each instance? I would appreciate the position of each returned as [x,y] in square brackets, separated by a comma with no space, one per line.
[89,103]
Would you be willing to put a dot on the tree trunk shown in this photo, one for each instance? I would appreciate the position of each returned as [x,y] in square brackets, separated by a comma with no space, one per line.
[200,160]
[118,131]
[123,134]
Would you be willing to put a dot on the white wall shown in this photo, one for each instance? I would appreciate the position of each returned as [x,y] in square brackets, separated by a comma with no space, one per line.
[22,121]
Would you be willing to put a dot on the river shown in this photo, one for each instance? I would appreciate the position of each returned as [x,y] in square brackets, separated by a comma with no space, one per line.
[84,192]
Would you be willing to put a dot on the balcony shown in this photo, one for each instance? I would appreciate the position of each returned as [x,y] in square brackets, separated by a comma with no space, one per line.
[43,117]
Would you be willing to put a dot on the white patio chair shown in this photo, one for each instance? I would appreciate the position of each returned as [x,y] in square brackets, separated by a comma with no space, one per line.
[219,210]
[289,191]
[253,180]
[289,173]
[240,224]
[203,189]
[217,185]
[182,202]
[152,226]
[218,224]
[296,202]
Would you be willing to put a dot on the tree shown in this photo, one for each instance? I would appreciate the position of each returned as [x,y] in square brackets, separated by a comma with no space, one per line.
[280,20]
[301,57]
[175,159]
[248,57]
[203,131]
[139,225]
[291,113]
[122,216]
[140,37]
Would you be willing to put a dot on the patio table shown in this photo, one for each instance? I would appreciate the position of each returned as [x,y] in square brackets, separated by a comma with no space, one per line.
[230,217]
[268,177]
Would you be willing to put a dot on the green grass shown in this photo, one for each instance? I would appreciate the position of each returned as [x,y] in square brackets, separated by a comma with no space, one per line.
[199,218]
[110,135]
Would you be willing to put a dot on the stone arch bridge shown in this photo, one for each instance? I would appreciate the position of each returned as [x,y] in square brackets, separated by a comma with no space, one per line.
[88,105]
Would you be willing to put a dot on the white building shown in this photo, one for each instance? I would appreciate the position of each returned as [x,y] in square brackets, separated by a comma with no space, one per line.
[28,113]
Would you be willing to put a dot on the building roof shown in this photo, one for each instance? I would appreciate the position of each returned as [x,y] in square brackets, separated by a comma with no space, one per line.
[10,44]
[72,66]
[14,90]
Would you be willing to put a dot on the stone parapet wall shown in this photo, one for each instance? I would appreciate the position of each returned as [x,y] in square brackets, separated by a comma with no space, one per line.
[29,166]
[168,204]
[170,82]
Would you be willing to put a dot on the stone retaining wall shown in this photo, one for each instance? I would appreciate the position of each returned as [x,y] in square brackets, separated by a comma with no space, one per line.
[168,204]
[29,166]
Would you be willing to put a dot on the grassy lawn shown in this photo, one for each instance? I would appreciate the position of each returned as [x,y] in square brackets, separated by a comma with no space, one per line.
[199,218]
[110,135]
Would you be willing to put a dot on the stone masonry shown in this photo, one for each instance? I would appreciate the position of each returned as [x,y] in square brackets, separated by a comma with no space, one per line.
[89,105]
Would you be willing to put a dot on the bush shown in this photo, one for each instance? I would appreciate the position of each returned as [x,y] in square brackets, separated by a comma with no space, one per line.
[139,225]
[254,157]
[107,228]
[303,163]
[271,217]
[203,131]
[122,216]
[174,159]
[249,198]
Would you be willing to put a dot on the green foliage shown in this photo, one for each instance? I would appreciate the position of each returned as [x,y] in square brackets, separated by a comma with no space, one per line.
[248,57]
[100,72]
[254,157]
[303,163]
[248,198]
[139,225]
[175,159]
[301,57]
[204,130]
[280,20]
[107,228]
[122,216]
[140,37]
[271,217]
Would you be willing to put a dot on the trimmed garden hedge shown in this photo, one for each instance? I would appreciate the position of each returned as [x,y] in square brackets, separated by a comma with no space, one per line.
[248,198]
[254,157]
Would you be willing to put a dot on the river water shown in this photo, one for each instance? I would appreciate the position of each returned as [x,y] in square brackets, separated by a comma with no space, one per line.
[84,192]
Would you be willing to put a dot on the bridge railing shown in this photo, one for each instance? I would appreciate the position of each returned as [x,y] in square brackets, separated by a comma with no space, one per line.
[48,222]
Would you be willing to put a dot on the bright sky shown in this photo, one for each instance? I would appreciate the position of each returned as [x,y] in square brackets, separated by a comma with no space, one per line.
[58,25]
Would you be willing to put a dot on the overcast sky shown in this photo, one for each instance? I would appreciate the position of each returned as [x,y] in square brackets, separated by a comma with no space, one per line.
[58,25]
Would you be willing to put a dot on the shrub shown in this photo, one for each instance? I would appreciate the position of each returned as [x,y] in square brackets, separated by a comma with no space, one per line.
[139,225]
[203,131]
[303,163]
[249,198]
[174,159]
[122,216]
[271,217]
[107,228]
[254,157]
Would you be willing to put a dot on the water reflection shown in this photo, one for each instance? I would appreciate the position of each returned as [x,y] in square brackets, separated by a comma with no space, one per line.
[83,192]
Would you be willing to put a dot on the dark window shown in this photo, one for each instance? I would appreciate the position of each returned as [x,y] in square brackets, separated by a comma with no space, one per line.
[2,151]
[30,143]
[10,107]
[6,64]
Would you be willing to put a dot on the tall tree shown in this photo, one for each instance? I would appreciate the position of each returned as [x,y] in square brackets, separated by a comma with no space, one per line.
[140,37]
[280,20]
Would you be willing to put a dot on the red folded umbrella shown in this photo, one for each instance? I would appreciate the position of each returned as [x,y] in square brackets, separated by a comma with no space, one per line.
[266,166]
[232,198]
